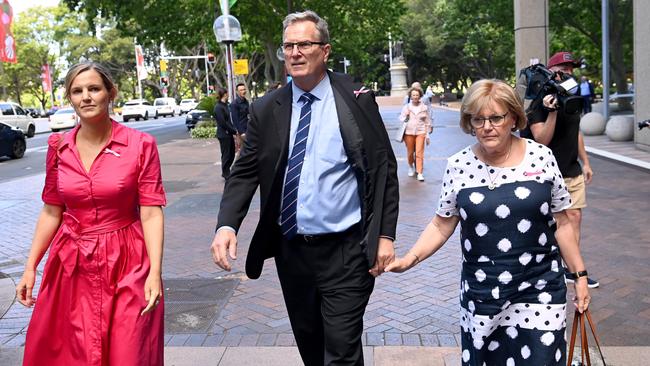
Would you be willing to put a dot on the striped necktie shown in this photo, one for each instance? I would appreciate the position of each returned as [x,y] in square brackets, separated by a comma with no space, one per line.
[288,220]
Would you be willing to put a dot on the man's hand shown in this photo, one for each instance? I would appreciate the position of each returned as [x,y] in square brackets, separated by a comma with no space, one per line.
[385,255]
[587,172]
[237,142]
[224,241]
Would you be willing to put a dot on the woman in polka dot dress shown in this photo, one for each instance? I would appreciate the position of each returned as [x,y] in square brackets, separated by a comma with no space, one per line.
[509,197]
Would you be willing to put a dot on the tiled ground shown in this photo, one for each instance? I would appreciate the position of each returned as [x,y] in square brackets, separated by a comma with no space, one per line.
[415,308]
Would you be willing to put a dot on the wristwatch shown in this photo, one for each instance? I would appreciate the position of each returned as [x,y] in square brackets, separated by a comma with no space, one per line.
[576,275]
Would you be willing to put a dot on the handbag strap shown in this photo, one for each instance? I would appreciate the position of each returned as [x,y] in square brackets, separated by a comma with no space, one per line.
[579,326]
[593,331]
[574,330]
[585,342]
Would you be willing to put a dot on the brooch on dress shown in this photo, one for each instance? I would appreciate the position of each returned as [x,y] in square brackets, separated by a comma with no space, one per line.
[109,151]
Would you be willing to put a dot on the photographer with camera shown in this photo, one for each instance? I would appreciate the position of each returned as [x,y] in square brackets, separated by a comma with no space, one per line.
[554,121]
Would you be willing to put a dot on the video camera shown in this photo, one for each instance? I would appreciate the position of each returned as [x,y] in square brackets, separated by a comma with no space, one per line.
[539,82]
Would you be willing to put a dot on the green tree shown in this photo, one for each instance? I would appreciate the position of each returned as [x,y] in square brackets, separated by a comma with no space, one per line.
[356,26]
[576,26]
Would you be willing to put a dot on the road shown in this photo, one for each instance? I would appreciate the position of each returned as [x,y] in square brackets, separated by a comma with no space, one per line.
[163,129]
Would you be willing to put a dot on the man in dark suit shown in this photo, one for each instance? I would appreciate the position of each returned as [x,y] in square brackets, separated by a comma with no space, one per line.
[319,152]
[226,132]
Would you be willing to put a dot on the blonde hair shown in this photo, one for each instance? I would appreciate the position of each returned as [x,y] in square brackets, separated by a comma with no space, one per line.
[486,91]
[77,69]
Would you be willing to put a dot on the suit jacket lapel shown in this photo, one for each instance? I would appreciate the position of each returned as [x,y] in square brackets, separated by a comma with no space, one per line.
[282,121]
[348,121]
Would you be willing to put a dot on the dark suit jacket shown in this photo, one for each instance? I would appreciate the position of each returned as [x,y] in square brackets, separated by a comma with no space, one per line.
[225,129]
[239,112]
[263,163]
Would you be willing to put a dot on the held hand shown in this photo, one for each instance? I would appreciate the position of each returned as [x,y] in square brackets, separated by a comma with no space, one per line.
[152,292]
[588,173]
[224,241]
[385,255]
[25,287]
[582,294]
[237,144]
[402,264]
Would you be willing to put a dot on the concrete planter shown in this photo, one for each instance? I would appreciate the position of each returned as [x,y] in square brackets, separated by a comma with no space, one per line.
[592,124]
[620,128]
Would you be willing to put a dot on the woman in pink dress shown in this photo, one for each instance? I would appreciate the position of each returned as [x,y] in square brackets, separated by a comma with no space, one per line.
[100,298]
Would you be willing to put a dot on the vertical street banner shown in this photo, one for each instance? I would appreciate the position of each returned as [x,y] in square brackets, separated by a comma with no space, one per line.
[46,78]
[7,41]
[139,63]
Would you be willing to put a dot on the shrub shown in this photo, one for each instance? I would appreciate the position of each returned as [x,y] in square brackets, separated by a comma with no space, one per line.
[207,123]
[207,104]
[204,132]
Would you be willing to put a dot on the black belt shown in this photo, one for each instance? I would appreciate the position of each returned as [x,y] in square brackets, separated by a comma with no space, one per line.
[299,238]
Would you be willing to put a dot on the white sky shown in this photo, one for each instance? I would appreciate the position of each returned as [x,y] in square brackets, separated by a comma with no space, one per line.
[20,6]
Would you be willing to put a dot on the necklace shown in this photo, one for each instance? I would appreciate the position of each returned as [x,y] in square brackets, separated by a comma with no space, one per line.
[493,182]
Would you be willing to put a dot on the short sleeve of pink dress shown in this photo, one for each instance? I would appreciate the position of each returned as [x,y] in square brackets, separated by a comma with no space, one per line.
[51,194]
[150,187]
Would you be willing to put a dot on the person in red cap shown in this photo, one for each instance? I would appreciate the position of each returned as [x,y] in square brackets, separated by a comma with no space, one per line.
[551,125]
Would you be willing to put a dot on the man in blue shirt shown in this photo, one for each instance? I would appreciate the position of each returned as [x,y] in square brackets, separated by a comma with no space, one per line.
[318,151]
[586,91]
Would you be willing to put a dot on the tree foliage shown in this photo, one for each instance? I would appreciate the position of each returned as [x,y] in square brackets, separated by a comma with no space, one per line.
[456,41]
[355,27]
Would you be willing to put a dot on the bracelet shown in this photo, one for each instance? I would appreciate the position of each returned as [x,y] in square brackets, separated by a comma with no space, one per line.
[417,259]
[576,275]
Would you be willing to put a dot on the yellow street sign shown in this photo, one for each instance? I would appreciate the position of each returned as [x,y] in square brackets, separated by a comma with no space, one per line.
[163,65]
[241,66]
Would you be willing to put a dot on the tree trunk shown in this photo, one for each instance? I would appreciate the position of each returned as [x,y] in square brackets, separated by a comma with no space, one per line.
[18,89]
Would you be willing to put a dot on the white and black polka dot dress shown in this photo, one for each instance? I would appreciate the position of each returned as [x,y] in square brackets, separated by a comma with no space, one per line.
[513,295]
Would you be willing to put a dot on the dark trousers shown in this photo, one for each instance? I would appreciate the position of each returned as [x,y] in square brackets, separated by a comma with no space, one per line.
[227,155]
[326,287]
[586,105]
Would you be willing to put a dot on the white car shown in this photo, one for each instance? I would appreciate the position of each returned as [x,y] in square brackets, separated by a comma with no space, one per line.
[187,105]
[14,115]
[138,108]
[165,106]
[63,118]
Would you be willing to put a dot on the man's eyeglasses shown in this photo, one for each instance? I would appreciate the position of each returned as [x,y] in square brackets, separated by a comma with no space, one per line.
[495,121]
[305,46]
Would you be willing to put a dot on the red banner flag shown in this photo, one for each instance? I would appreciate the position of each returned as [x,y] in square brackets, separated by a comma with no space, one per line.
[46,78]
[7,41]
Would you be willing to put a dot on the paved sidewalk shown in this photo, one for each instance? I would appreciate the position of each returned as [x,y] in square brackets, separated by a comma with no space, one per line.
[411,318]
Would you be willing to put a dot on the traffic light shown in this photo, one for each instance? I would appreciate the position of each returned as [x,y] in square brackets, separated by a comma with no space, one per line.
[164,82]
[163,65]
[210,58]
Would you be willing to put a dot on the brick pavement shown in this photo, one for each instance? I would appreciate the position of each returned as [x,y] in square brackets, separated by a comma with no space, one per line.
[415,308]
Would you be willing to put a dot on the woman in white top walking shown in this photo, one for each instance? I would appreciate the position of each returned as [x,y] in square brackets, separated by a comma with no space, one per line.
[418,127]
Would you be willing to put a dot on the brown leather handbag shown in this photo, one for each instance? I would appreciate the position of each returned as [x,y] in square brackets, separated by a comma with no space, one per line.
[579,322]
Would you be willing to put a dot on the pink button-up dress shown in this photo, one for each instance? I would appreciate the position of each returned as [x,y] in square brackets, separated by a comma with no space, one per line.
[92,291]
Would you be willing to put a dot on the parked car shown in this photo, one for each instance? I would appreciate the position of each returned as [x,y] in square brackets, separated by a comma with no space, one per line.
[12,141]
[195,116]
[52,110]
[138,108]
[15,115]
[165,106]
[187,105]
[63,118]
[34,112]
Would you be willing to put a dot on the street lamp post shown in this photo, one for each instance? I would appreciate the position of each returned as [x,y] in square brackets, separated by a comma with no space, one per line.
[228,31]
